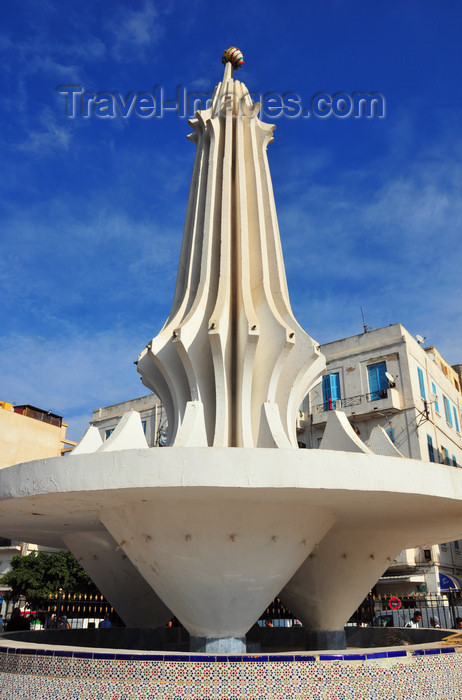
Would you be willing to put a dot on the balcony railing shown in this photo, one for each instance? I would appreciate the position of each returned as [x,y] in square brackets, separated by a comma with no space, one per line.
[4,542]
[377,395]
[333,404]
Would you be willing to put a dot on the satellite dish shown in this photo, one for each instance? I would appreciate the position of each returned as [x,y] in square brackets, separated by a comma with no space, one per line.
[420,340]
[390,377]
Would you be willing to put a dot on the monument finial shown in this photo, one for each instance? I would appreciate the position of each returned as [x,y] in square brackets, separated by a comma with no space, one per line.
[234,56]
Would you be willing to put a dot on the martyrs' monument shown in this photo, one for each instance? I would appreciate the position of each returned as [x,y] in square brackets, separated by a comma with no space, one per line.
[231,513]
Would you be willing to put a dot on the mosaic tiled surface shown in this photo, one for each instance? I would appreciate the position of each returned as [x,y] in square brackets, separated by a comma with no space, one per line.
[41,674]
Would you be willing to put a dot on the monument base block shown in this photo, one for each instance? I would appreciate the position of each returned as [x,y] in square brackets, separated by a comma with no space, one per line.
[218,645]
[326,639]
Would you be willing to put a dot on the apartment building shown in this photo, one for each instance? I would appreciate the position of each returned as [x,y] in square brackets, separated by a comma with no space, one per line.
[152,413]
[27,433]
[386,377]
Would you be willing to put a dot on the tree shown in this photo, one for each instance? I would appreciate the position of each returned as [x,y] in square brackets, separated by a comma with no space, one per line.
[39,574]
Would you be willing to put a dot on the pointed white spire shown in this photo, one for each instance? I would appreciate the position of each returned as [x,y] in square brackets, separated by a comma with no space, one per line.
[231,341]
[339,435]
[90,442]
[128,434]
[380,443]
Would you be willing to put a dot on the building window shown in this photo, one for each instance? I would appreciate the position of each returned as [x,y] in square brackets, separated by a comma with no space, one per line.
[457,546]
[445,455]
[447,410]
[456,420]
[431,451]
[109,432]
[391,434]
[427,554]
[330,390]
[437,408]
[454,461]
[421,384]
[378,382]
[143,423]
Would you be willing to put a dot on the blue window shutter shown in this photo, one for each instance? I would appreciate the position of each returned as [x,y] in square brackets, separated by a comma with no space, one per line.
[431,453]
[421,384]
[378,382]
[454,461]
[335,384]
[437,408]
[326,388]
[456,420]
[391,434]
[447,410]
[331,387]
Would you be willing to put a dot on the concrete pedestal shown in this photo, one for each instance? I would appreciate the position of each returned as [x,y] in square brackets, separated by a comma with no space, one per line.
[326,639]
[220,645]
[217,533]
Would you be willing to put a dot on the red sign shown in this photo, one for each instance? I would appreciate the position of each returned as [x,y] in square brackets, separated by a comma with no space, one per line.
[394,603]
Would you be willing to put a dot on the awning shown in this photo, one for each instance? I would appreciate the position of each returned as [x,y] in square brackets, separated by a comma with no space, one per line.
[446,583]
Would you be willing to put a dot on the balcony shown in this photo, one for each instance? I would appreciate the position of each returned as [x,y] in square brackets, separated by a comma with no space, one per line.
[302,421]
[363,406]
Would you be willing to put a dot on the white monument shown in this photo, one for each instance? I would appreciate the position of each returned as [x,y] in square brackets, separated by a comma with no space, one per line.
[232,513]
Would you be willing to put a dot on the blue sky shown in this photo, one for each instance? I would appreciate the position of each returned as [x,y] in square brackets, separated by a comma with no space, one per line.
[92,210]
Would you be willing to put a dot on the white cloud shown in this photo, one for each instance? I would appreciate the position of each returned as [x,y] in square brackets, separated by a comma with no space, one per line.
[71,374]
[202,84]
[45,63]
[46,137]
[135,31]
[390,248]
[87,49]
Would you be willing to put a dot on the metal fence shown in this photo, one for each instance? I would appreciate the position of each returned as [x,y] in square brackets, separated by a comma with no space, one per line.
[81,609]
[84,610]
[335,404]
[396,610]
[277,615]
[384,611]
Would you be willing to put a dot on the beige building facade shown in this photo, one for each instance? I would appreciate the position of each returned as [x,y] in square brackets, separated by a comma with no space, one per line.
[28,433]
[385,377]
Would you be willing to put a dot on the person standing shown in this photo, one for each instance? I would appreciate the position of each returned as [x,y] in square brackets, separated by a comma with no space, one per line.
[62,623]
[106,623]
[415,620]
